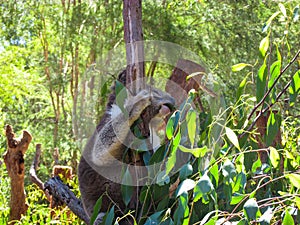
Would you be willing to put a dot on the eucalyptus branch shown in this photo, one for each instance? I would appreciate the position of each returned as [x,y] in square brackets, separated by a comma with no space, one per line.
[273,85]
[267,93]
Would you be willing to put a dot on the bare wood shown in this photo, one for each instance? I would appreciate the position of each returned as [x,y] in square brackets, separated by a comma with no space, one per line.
[32,172]
[61,191]
[14,161]
[133,36]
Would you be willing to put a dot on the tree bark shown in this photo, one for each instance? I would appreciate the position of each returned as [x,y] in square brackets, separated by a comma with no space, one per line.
[133,36]
[14,161]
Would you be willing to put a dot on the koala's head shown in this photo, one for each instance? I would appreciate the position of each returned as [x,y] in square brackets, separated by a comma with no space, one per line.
[155,115]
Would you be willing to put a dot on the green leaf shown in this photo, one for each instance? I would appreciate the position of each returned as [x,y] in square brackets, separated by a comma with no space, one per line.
[275,72]
[261,81]
[214,171]
[162,178]
[228,170]
[185,171]
[127,186]
[185,186]
[181,215]
[96,211]
[197,152]
[264,45]
[191,125]
[268,23]
[204,187]
[251,209]
[256,165]
[294,179]
[241,88]
[109,218]
[296,13]
[273,126]
[265,219]
[282,9]
[239,66]
[288,219]
[121,95]
[274,157]
[297,201]
[237,198]
[154,218]
[172,158]
[172,124]
[294,88]
[232,137]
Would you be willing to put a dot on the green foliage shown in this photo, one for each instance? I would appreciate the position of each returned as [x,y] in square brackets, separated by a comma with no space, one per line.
[251,48]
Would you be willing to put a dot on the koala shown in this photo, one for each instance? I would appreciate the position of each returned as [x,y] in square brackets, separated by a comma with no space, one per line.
[103,158]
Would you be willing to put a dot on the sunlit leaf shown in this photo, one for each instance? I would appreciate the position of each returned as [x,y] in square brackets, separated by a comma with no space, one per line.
[274,157]
[265,219]
[185,186]
[282,9]
[191,125]
[197,152]
[181,215]
[294,88]
[275,72]
[288,219]
[232,137]
[214,171]
[172,124]
[261,81]
[237,198]
[296,13]
[268,23]
[264,45]
[294,179]
[297,201]
[251,209]
[239,66]
[241,88]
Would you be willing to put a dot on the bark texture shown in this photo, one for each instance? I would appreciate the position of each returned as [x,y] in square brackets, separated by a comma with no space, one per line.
[14,161]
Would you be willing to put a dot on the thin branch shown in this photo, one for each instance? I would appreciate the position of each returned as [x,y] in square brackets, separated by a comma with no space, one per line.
[265,96]
[273,85]
[32,172]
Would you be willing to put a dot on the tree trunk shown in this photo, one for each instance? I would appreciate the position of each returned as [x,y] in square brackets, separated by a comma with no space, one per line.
[133,36]
[14,160]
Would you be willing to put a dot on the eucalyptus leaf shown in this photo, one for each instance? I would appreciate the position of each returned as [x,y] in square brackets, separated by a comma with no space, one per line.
[232,137]
[185,186]
[239,66]
[288,219]
[264,45]
[251,209]
[294,179]
[127,186]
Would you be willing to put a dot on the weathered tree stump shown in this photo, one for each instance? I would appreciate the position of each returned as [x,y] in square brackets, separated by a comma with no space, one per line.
[14,161]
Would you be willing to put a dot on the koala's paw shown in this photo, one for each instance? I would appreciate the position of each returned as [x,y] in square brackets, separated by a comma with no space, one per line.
[135,105]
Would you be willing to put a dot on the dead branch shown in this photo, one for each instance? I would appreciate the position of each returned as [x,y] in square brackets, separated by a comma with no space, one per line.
[61,191]
[14,161]
[32,172]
